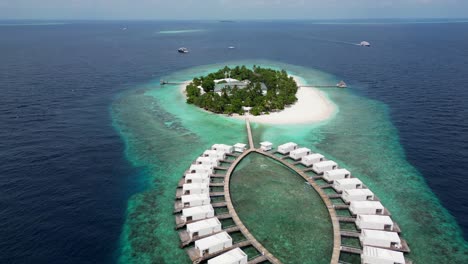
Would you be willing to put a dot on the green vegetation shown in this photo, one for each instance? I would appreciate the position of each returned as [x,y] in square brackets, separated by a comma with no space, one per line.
[228,99]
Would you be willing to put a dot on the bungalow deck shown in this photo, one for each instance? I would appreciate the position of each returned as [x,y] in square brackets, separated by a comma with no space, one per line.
[258,259]
[346,219]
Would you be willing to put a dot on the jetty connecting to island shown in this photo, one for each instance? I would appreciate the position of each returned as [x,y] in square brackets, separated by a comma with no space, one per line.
[212,232]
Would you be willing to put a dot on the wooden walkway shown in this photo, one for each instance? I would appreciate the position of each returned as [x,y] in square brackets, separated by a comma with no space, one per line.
[249,133]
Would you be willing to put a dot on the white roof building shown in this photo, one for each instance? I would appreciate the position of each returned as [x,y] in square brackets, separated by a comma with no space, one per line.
[346,184]
[309,160]
[204,227]
[376,222]
[207,161]
[197,178]
[197,213]
[323,166]
[266,146]
[226,80]
[195,188]
[286,148]
[378,238]
[337,174]
[223,148]
[213,244]
[199,168]
[373,255]
[240,147]
[367,208]
[352,195]
[299,153]
[195,200]
[235,256]
[219,155]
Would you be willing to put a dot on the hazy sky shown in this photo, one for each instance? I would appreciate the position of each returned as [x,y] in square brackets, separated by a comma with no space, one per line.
[231,9]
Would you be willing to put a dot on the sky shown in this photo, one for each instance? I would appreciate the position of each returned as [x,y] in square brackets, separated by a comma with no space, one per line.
[231,9]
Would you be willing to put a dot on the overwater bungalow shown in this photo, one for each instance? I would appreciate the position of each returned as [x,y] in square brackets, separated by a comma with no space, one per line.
[235,256]
[240,147]
[299,153]
[197,178]
[195,188]
[197,213]
[266,146]
[337,174]
[373,255]
[347,184]
[192,200]
[219,155]
[352,195]
[367,208]
[204,227]
[287,147]
[223,148]
[323,166]
[199,168]
[375,222]
[378,238]
[213,244]
[311,159]
[207,161]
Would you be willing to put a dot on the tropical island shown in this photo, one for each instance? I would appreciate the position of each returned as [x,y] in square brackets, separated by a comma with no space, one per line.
[240,89]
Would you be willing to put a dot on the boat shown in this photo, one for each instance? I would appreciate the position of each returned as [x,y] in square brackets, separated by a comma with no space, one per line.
[182,50]
[341,84]
[231,47]
[364,44]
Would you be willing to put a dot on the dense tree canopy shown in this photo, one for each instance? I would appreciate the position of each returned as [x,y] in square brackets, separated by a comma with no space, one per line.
[280,91]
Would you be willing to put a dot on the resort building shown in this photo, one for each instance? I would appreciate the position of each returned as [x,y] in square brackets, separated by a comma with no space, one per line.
[207,161]
[204,227]
[375,222]
[266,146]
[346,184]
[195,188]
[378,238]
[199,168]
[323,166]
[337,174]
[197,213]
[286,148]
[311,159]
[240,147]
[235,256]
[373,255]
[223,148]
[351,195]
[197,178]
[219,155]
[367,208]
[213,244]
[195,200]
[299,153]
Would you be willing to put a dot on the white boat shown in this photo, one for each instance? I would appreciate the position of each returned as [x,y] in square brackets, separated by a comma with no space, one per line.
[341,84]
[183,50]
[364,44]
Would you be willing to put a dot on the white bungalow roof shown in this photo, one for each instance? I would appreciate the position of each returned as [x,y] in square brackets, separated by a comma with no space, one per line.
[289,144]
[348,181]
[381,253]
[197,175]
[210,159]
[353,192]
[200,167]
[198,210]
[213,240]
[381,235]
[194,197]
[240,145]
[266,144]
[203,224]
[367,204]
[338,172]
[194,186]
[383,219]
[313,156]
[231,256]
[300,150]
[325,163]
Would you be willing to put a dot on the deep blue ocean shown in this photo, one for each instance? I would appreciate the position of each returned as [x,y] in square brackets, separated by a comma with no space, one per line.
[64,178]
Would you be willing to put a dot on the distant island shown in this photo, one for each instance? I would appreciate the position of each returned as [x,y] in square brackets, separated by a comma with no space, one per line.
[240,89]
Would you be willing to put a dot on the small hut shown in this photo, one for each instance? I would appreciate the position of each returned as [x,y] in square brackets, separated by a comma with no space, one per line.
[197,213]
[266,146]
[240,147]
[197,178]
[346,184]
[223,148]
[213,244]
[207,161]
[378,238]
[367,208]
[286,148]
[311,159]
[351,195]
[375,222]
[373,255]
[235,256]
[219,155]
[195,200]
[299,153]
[337,174]
[323,166]
[203,227]
[195,188]
[199,168]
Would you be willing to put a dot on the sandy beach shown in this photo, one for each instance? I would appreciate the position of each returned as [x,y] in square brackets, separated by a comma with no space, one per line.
[312,106]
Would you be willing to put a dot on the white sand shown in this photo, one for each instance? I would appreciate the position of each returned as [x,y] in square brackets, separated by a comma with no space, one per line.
[312,106]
